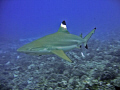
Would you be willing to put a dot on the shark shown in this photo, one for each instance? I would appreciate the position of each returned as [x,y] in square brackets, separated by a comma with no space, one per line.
[57,43]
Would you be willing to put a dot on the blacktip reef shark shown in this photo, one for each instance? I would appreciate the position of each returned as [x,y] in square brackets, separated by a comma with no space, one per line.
[56,43]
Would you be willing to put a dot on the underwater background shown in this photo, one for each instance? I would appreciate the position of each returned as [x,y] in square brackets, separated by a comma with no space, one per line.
[22,21]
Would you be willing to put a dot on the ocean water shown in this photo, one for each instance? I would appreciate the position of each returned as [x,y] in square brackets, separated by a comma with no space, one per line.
[22,21]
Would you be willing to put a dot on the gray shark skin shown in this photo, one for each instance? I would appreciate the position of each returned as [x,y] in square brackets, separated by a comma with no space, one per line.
[56,43]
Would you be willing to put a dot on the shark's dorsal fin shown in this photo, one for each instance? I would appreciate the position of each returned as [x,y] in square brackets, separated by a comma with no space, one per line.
[61,54]
[63,27]
[81,35]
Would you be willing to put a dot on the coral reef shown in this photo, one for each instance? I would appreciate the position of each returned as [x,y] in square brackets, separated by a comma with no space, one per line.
[98,70]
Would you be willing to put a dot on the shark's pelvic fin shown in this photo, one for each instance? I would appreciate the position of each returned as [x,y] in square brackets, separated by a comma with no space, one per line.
[87,37]
[61,54]
[63,27]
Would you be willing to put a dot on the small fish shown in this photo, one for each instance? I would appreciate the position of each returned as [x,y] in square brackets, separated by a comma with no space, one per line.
[56,43]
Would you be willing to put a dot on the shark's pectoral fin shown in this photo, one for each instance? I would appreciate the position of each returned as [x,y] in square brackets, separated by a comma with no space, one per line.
[61,54]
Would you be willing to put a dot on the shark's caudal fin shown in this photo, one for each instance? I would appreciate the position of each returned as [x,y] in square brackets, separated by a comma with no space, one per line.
[63,27]
[87,37]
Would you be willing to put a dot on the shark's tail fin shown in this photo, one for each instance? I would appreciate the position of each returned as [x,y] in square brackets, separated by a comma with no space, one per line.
[87,37]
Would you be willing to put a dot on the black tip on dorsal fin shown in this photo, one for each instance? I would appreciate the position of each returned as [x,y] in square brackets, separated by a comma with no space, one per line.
[63,22]
[86,46]
[95,28]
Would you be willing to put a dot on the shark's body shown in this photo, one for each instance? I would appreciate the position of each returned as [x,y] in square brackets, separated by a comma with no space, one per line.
[56,43]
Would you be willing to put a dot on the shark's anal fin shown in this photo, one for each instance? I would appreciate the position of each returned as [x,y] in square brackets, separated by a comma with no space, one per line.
[86,46]
[61,54]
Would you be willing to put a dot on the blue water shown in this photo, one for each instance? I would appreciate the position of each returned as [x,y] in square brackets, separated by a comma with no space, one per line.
[26,19]
[97,68]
